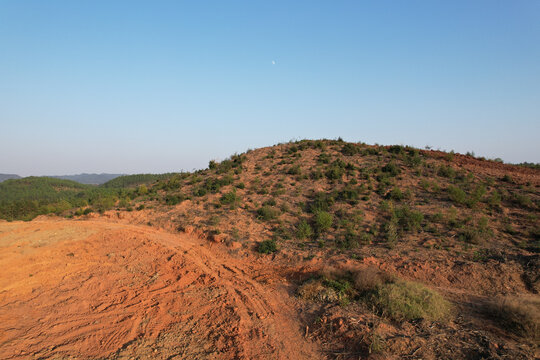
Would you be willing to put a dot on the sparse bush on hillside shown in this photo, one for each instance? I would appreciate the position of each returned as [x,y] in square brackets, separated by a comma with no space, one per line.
[336,170]
[407,219]
[267,246]
[230,198]
[446,171]
[316,175]
[324,158]
[323,221]
[476,234]
[321,202]
[267,213]
[350,149]
[397,195]
[304,230]
[391,169]
[396,149]
[495,199]
[294,170]
[349,194]
[522,200]
[142,190]
[174,199]
[457,195]
[507,178]
[103,204]
[391,231]
[413,158]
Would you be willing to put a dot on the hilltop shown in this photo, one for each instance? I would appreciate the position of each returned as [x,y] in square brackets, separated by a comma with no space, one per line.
[385,250]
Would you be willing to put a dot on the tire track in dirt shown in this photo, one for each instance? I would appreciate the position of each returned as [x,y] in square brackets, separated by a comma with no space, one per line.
[93,289]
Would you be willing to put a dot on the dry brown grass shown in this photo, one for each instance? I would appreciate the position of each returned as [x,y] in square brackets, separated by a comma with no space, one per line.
[369,278]
[521,315]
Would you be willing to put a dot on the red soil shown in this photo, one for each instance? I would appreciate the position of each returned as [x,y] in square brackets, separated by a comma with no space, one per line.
[90,289]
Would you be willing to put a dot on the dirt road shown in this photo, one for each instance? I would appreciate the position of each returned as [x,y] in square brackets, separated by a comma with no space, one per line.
[95,289]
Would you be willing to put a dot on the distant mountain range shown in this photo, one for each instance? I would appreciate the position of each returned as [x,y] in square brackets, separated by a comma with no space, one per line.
[4,177]
[90,179]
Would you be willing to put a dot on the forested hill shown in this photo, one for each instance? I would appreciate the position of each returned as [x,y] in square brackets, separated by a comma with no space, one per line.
[26,198]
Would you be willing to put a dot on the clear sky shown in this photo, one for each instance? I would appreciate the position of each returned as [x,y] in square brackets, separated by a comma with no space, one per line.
[157,86]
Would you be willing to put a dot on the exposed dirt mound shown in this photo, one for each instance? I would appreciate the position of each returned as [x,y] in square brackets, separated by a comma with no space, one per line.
[95,289]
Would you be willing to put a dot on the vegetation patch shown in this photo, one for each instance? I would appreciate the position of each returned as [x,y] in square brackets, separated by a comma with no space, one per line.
[405,300]
[267,246]
[267,213]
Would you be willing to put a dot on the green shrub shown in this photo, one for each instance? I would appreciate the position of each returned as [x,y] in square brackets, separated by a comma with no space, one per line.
[408,219]
[294,170]
[350,149]
[316,175]
[341,286]
[349,194]
[240,185]
[391,169]
[142,190]
[323,221]
[174,199]
[457,195]
[446,171]
[507,178]
[522,200]
[349,240]
[396,149]
[230,198]
[391,231]
[321,202]
[477,234]
[495,199]
[477,195]
[397,195]
[304,230]
[267,213]
[424,184]
[335,172]
[103,204]
[267,246]
[270,202]
[324,158]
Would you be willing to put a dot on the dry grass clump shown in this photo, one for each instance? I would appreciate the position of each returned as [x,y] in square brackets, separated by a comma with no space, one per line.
[369,278]
[521,315]
[398,299]
[407,300]
[316,290]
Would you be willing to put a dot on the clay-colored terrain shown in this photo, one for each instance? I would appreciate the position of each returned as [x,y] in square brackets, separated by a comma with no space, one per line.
[305,250]
[91,289]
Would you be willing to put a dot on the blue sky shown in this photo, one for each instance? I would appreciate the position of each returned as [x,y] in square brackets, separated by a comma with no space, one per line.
[140,86]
